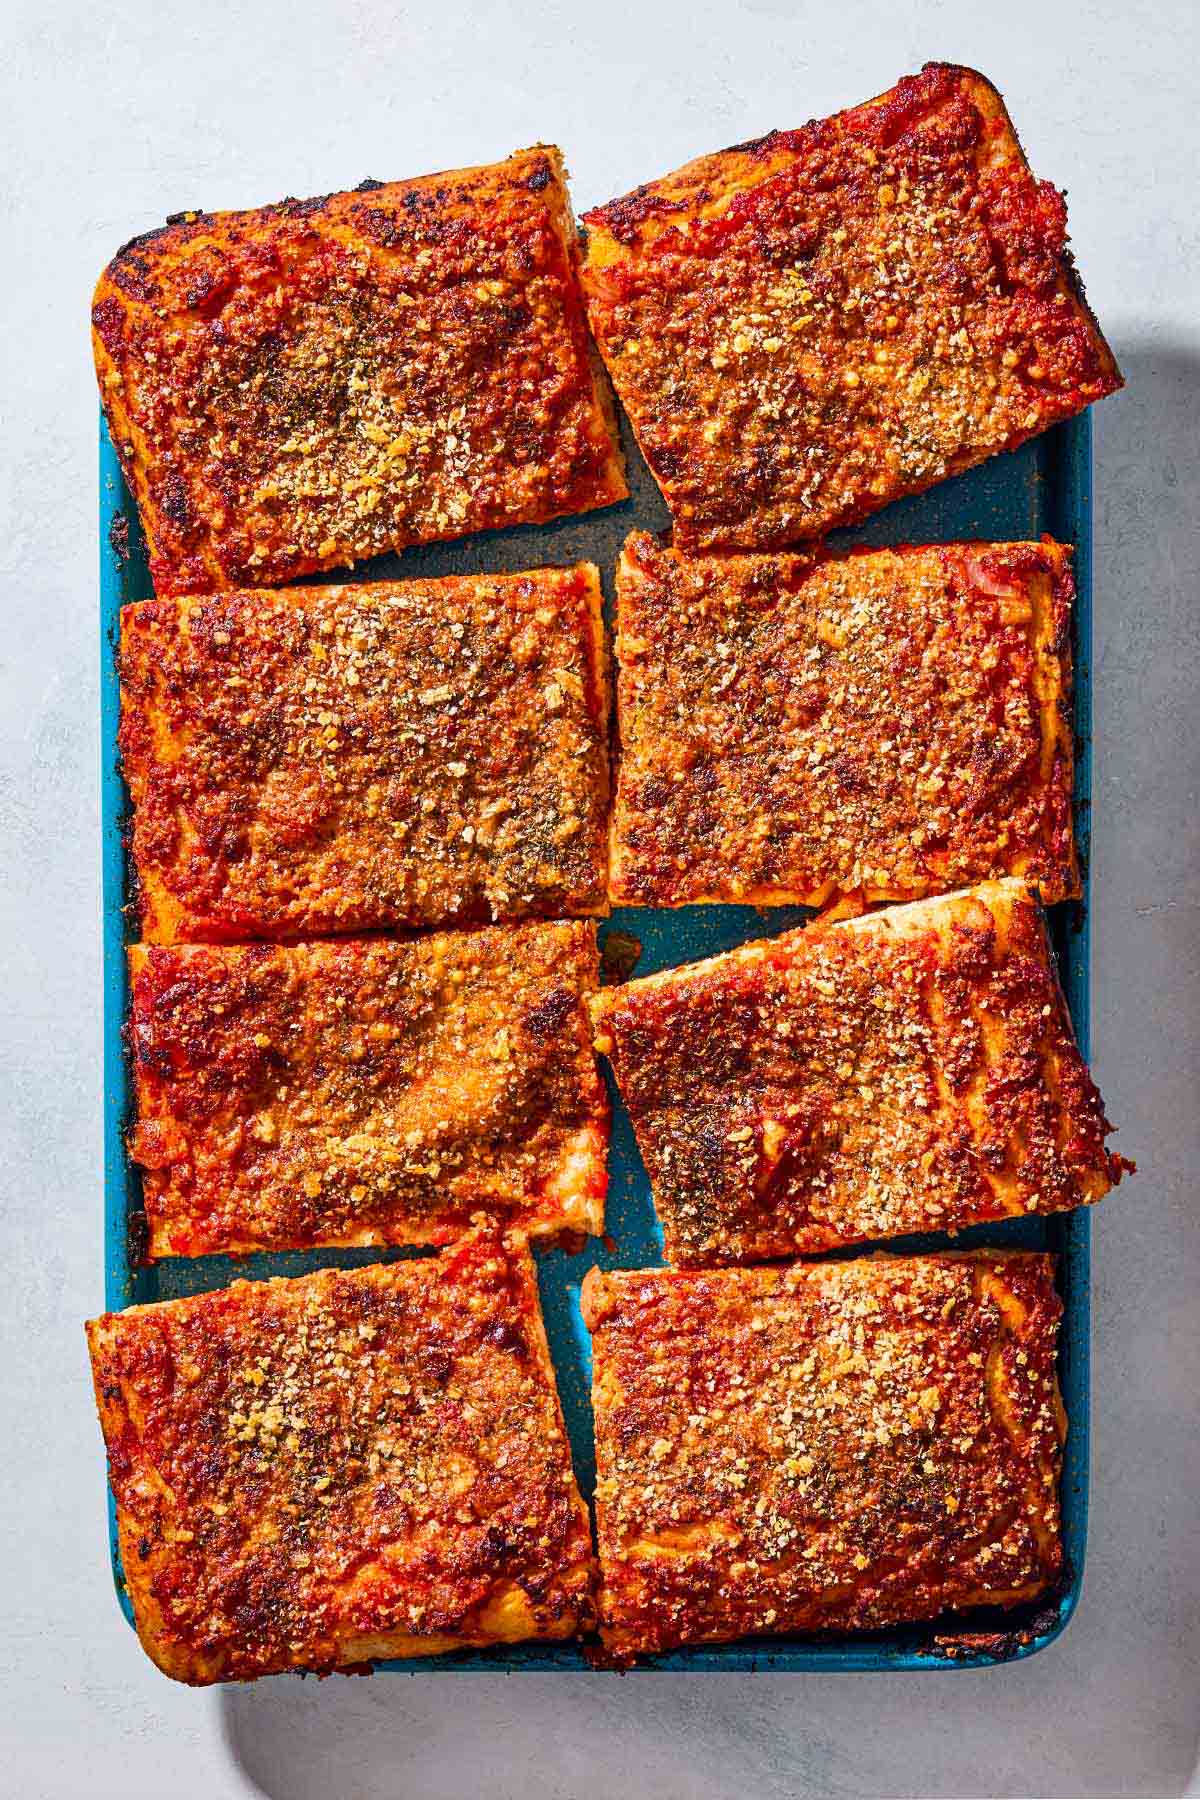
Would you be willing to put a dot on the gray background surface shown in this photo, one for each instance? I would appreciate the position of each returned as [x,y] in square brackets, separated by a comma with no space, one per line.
[113,115]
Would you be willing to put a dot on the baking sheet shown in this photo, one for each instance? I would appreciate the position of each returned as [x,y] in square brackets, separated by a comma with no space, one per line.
[1043,487]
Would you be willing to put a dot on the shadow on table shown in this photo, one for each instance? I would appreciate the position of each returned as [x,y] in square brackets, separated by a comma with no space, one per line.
[1113,1708]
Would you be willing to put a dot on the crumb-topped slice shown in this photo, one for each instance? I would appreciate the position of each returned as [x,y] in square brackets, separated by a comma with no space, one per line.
[300,386]
[832,1446]
[360,1463]
[912,1070]
[364,1091]
[808,326]
[340,759]
[839,730]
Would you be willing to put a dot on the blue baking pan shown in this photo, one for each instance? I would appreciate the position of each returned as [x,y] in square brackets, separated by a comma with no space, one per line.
[1044,487]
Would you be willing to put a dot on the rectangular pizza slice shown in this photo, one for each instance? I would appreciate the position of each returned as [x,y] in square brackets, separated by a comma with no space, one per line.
[805,327]
[361,1463]
[835,731]
[303,385]
[910,1070]
[826,1447]
[366,1091]
[325,759]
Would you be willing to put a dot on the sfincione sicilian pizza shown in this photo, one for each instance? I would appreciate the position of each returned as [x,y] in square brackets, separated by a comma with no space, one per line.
[805,327]
[822,1447]
[331,759]
[367,1091]
[299,386]
[839,730]
[355,1464]
[910,1070]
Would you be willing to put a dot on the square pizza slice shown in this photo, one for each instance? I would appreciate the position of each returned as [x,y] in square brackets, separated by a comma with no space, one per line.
[361,1463]
[827,1447]
[834,731]
[329,759]
[367,1091]
[296,387]
[910,1070]
[805,327]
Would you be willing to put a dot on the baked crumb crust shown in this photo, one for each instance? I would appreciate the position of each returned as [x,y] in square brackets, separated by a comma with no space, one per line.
[831,1446]
[834,731]
[341,759]
[362,1463]
[365,1091]
[808,326]
[911,1070]
[299,386]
